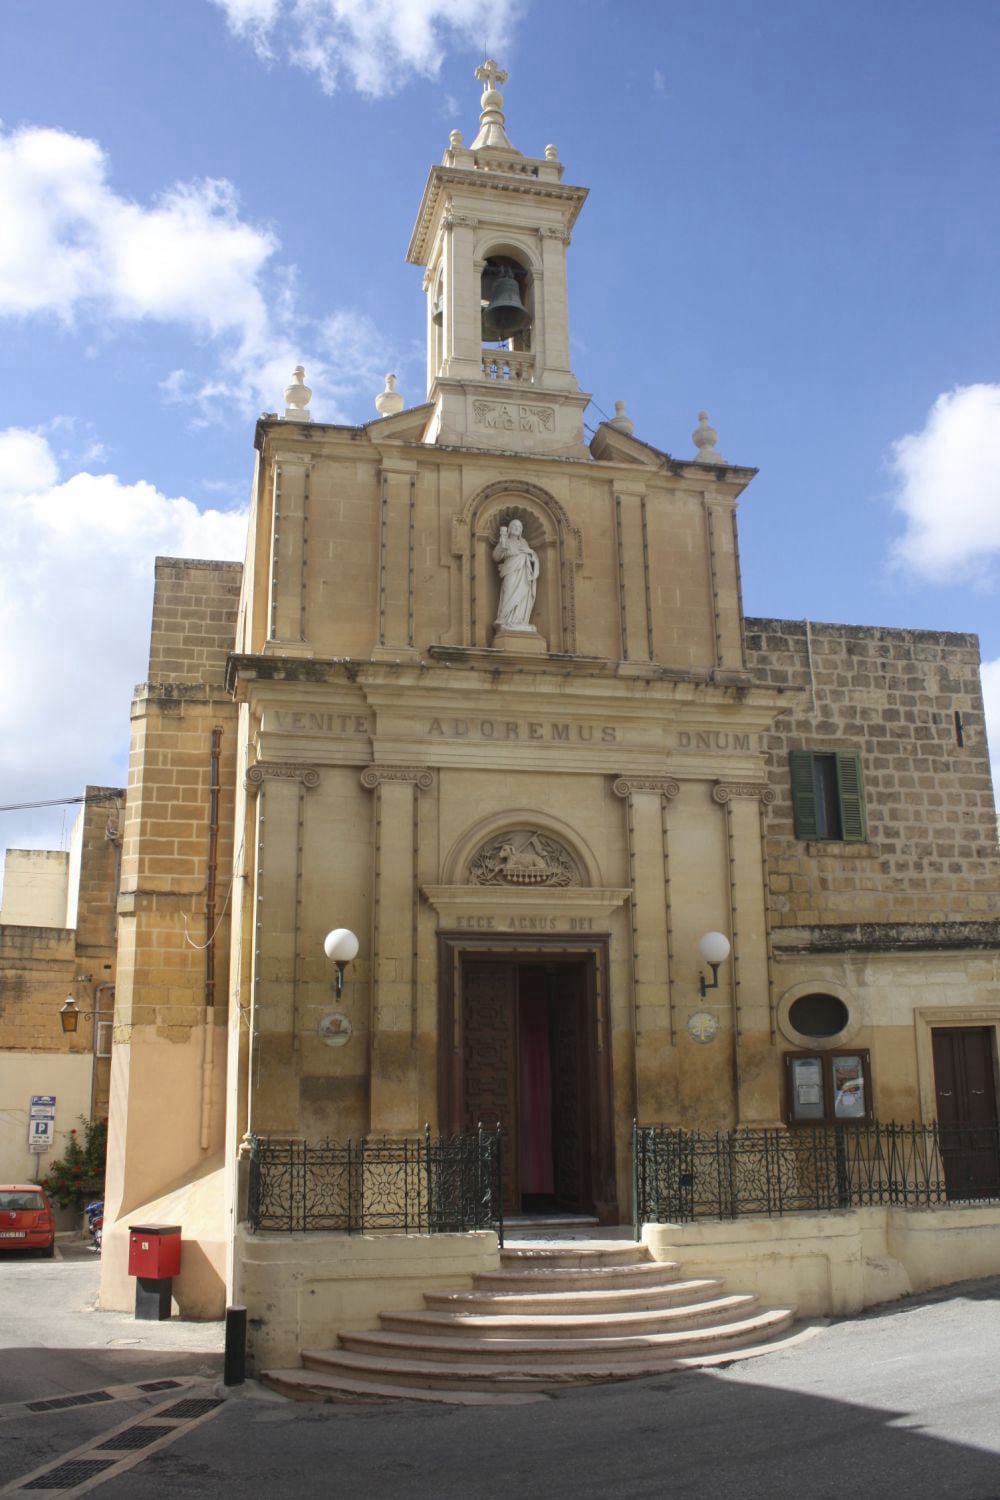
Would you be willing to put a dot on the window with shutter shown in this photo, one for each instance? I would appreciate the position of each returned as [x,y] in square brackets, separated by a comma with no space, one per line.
[828,795]
[804,795]
[852,805]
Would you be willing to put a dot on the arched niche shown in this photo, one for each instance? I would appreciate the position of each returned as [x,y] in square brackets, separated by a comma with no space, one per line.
[521,264]
[474,856]
[548,531]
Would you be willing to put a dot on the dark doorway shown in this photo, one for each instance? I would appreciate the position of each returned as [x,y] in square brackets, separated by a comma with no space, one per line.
[964,1080]
[528,1049]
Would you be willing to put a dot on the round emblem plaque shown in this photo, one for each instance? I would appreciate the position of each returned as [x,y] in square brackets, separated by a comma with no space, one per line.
[335,1029]
[702,1026]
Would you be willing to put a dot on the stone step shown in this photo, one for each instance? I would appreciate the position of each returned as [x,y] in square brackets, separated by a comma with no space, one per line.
[548,1348]
[490,1326]
[562,1224]
[575,1253]
[522,1367]
[547,1279]
[314,1385]
[565,1303]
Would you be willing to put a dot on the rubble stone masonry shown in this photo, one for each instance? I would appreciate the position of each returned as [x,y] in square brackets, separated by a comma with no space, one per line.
[910,701]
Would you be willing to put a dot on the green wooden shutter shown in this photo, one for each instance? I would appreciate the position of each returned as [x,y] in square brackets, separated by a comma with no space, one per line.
[803,794]
[852,797]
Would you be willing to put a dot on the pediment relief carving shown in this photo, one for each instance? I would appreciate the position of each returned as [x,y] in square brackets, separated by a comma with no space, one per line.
[524,858]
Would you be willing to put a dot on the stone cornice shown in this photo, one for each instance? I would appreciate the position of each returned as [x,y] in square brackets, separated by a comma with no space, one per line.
[887,937]
[445,180]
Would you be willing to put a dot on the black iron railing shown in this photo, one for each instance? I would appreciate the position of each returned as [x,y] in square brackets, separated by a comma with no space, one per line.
[448,1184]
[682,1175]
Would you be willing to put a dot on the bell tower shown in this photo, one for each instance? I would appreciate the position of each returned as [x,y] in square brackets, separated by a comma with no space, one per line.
[493,230]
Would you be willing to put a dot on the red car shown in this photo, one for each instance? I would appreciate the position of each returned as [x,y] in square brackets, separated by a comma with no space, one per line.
[26,1218]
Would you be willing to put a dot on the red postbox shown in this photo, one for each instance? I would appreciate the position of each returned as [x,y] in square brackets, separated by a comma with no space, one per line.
[154,1250]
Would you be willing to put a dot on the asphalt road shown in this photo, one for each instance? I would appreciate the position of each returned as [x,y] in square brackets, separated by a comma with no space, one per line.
[900,1402]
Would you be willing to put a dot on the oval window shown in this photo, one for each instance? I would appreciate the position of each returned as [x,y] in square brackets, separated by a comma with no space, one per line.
[818,1015]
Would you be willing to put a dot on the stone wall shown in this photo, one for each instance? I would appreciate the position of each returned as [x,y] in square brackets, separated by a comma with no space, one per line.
[910,701]
[168,1069]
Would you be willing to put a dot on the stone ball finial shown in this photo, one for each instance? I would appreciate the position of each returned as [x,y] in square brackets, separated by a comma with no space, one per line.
[297,397]
[389,401]
[552,153]
[705,438]
[621,421]
[455,140]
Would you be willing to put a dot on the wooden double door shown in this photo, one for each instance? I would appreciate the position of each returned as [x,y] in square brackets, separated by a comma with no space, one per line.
[965,1085]
[529,1054]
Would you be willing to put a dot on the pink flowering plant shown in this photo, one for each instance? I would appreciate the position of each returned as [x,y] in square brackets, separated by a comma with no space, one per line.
[78,1176]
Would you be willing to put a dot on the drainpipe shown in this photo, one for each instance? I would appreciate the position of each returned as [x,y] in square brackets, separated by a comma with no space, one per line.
[208,1043]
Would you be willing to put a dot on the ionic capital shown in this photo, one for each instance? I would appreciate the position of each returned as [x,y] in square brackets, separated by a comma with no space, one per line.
[725,791]
[421,778]
[270,770]
[624,786]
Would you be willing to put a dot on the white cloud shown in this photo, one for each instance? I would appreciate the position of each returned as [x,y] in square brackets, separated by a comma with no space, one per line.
[948,481]
[69,244]
[373,45]
[991,700]
[73,248]
[76,555]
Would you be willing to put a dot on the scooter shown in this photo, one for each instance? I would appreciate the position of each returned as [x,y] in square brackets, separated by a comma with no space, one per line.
[95,1223]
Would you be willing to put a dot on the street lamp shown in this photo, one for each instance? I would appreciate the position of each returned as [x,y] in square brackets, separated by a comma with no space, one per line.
[340,946]
[714,949]
[69,1015]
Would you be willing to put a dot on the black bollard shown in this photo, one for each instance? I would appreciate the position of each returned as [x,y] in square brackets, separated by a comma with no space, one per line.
[235,1368]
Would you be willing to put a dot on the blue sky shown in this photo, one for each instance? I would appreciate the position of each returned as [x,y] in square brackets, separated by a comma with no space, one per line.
[793,221]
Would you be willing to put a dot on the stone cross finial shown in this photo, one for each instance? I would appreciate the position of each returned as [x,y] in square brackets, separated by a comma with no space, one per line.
[705,438]
[490,74]
[491,121]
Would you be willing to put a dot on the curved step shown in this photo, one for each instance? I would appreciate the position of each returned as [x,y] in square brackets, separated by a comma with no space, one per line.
[593,1362]
[565,1351]
[566,1279]
[541,1325]
[577,1253]
[314,1385]
[621,1300]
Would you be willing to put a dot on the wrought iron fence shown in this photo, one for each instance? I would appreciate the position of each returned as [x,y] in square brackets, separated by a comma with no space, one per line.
[682,1175]
[431,1186]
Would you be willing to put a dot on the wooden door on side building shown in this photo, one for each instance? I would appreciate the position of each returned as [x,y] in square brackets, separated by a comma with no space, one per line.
[965,1084]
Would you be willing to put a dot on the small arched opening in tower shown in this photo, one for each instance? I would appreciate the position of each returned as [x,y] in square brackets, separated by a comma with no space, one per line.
[507,302]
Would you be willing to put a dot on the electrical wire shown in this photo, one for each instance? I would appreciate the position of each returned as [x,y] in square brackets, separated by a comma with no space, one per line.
[62,801]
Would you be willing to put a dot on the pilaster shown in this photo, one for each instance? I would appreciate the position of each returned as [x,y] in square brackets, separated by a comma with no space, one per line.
[286,621]
[756,1073]
[281,792]
[397,506]
[647,799]
[394,945]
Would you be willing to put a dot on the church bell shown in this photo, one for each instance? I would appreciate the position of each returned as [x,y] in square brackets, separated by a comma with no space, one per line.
[506,313]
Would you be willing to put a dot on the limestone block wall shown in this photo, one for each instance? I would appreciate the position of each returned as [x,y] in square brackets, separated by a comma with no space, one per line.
[910,701]
[37,968]
[168,1073]
[364,546]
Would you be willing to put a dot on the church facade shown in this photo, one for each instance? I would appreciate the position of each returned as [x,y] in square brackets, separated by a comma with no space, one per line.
[483,694]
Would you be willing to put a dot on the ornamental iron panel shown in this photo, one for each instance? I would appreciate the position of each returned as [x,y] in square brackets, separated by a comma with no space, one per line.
[683,1175]
[448,1185]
